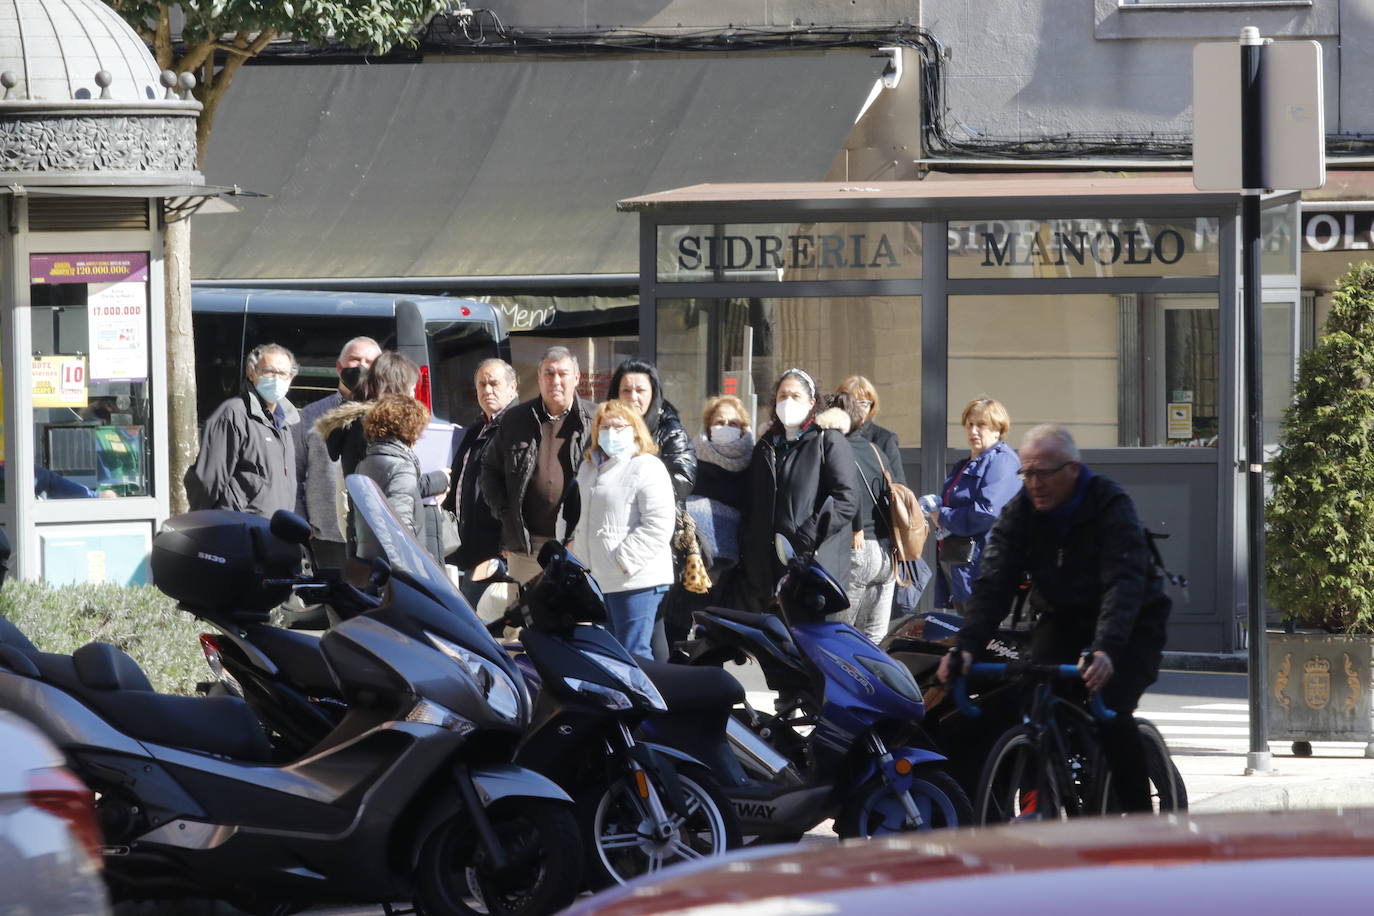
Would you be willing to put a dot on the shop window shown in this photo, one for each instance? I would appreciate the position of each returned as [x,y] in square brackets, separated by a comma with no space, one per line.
[90,378]
[741,346]
[597,357]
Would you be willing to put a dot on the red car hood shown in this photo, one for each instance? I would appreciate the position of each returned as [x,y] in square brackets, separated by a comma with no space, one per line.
[1161,866]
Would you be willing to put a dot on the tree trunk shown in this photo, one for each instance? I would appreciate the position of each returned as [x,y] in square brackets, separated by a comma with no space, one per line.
[181,435]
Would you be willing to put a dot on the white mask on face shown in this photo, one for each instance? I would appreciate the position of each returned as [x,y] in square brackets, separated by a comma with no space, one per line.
[615,441]
[792,413]
[272,388]
[725,434]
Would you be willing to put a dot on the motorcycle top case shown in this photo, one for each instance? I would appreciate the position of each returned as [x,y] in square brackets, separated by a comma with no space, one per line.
[216,560]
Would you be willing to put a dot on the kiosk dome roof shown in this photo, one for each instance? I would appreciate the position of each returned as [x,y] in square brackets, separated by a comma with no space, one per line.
[55,48]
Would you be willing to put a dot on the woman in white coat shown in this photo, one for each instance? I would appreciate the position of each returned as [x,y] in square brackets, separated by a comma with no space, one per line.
[626,523]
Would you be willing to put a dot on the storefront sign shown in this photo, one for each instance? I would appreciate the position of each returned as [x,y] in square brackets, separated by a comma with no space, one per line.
[780,252]
[1349,231]
[59,381]
[1082,247]
[1180,424]
[117,325]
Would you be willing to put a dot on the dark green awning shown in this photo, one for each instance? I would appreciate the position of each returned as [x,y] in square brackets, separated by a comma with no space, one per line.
[502,166]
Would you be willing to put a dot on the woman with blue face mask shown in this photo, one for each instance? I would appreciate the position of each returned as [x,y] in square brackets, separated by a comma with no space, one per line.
[626,523]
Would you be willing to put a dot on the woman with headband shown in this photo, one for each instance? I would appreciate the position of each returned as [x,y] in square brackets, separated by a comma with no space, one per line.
[797,467]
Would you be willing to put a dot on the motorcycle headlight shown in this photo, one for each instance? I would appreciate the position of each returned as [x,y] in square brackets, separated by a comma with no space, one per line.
[496,685]
[632,677]
[895,676]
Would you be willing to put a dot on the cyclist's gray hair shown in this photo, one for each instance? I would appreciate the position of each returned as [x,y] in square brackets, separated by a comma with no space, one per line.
[1057,438]
[357,340]
[257,353]
[558,353]
[506,369]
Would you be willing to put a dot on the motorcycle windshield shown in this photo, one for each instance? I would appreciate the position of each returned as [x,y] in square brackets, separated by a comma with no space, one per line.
[398,545]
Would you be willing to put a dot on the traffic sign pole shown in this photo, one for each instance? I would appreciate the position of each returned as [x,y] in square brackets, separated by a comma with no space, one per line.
[1259,760]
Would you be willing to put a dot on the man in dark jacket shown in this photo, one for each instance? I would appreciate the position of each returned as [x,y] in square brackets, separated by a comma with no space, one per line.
[319,480]
[247,459]
[531,464]
[636,381]
[1099,598]
[479,531]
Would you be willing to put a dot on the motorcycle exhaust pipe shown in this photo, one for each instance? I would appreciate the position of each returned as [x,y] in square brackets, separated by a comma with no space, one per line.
[757,756]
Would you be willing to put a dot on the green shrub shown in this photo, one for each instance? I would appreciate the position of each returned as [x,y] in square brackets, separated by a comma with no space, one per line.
[1320,538]
[140,620]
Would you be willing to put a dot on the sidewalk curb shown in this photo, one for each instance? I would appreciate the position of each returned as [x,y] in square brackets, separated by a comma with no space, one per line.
[1279,793]
[1227,662]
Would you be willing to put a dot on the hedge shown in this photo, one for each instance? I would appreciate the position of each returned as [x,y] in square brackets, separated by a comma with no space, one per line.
[138,619]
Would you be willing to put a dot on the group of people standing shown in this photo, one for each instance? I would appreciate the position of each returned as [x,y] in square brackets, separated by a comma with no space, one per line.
[619,480]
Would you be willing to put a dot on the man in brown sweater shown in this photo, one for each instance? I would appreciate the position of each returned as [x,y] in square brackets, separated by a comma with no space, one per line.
[533,460]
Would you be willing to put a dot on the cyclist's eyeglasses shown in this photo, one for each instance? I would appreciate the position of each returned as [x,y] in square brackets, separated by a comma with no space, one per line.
[1041,473]
[275,373]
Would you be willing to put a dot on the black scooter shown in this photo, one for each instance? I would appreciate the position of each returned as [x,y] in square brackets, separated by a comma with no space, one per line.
[641,806]
[412,796]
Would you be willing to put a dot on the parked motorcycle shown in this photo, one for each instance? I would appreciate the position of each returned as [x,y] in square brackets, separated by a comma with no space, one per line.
[837,745]
[641,806]
[411,796]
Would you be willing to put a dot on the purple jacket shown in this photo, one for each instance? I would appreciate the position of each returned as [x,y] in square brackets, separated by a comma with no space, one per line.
[973,503]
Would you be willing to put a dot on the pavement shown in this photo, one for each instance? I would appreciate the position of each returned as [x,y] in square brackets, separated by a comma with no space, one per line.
[1337,775]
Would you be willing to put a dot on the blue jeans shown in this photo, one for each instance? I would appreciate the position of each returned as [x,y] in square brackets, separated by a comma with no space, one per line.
[632,615]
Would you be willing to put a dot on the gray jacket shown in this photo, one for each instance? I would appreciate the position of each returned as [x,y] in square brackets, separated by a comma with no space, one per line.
[508,464]
[396,469]
[246,463]
[319,480]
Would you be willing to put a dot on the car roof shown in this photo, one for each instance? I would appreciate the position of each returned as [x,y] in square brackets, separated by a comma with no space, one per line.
[1174,864]
[320,302]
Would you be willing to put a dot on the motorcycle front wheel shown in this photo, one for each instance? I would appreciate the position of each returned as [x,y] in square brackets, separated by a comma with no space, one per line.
[543,871]
[875,809]
[619,834]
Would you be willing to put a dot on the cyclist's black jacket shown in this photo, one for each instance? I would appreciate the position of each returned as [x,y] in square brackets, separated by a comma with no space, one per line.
[1090,568]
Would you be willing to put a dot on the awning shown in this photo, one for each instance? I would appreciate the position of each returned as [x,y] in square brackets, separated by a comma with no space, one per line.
[503,166]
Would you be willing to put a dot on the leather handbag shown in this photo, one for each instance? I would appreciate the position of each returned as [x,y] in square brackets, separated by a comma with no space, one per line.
[906,523]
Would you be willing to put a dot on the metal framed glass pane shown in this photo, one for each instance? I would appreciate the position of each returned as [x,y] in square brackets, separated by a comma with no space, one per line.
[741,345]
[90,375]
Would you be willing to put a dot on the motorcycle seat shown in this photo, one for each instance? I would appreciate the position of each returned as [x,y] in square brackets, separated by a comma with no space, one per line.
[110,682]
[768,623]
[687,688]
[298,656]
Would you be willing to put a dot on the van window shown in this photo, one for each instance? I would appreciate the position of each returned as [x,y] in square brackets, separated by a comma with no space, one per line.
[456,349]
[222,342]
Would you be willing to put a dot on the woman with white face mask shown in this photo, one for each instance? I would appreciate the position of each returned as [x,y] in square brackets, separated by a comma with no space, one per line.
[797,470]
[717,504]
[626,525]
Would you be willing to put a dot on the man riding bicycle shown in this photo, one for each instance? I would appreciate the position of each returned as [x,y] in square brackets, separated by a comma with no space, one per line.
[1098,596]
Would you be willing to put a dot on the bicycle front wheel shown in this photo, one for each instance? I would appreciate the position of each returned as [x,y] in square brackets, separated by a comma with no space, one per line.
[1167,791]
[1015,781]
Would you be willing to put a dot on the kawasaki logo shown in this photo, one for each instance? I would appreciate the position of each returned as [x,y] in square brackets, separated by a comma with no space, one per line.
[755,811]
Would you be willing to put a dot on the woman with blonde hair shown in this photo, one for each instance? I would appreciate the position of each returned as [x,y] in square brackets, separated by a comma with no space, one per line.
[972,498]
[717,503]
[885,440]
[626,523]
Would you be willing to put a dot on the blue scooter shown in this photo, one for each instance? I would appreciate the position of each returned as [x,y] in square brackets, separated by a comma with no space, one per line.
[839,743]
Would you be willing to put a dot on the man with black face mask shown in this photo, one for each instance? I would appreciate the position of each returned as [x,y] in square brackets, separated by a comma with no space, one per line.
[319,482]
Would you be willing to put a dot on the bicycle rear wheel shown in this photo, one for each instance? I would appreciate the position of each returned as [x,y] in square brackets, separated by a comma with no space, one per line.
[1015,782]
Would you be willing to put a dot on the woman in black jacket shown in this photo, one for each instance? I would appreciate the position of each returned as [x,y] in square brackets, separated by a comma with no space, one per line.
[636,382]
[866,397]
[797,467]
[392,427]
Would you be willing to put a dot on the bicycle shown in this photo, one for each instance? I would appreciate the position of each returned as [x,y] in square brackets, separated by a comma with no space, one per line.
[1052,765]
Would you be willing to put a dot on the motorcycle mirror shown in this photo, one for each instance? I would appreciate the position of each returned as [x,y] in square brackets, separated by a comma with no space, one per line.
[290,527]
[495,568]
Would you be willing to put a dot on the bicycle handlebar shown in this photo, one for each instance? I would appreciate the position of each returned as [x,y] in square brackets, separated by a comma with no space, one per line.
[1008,671]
